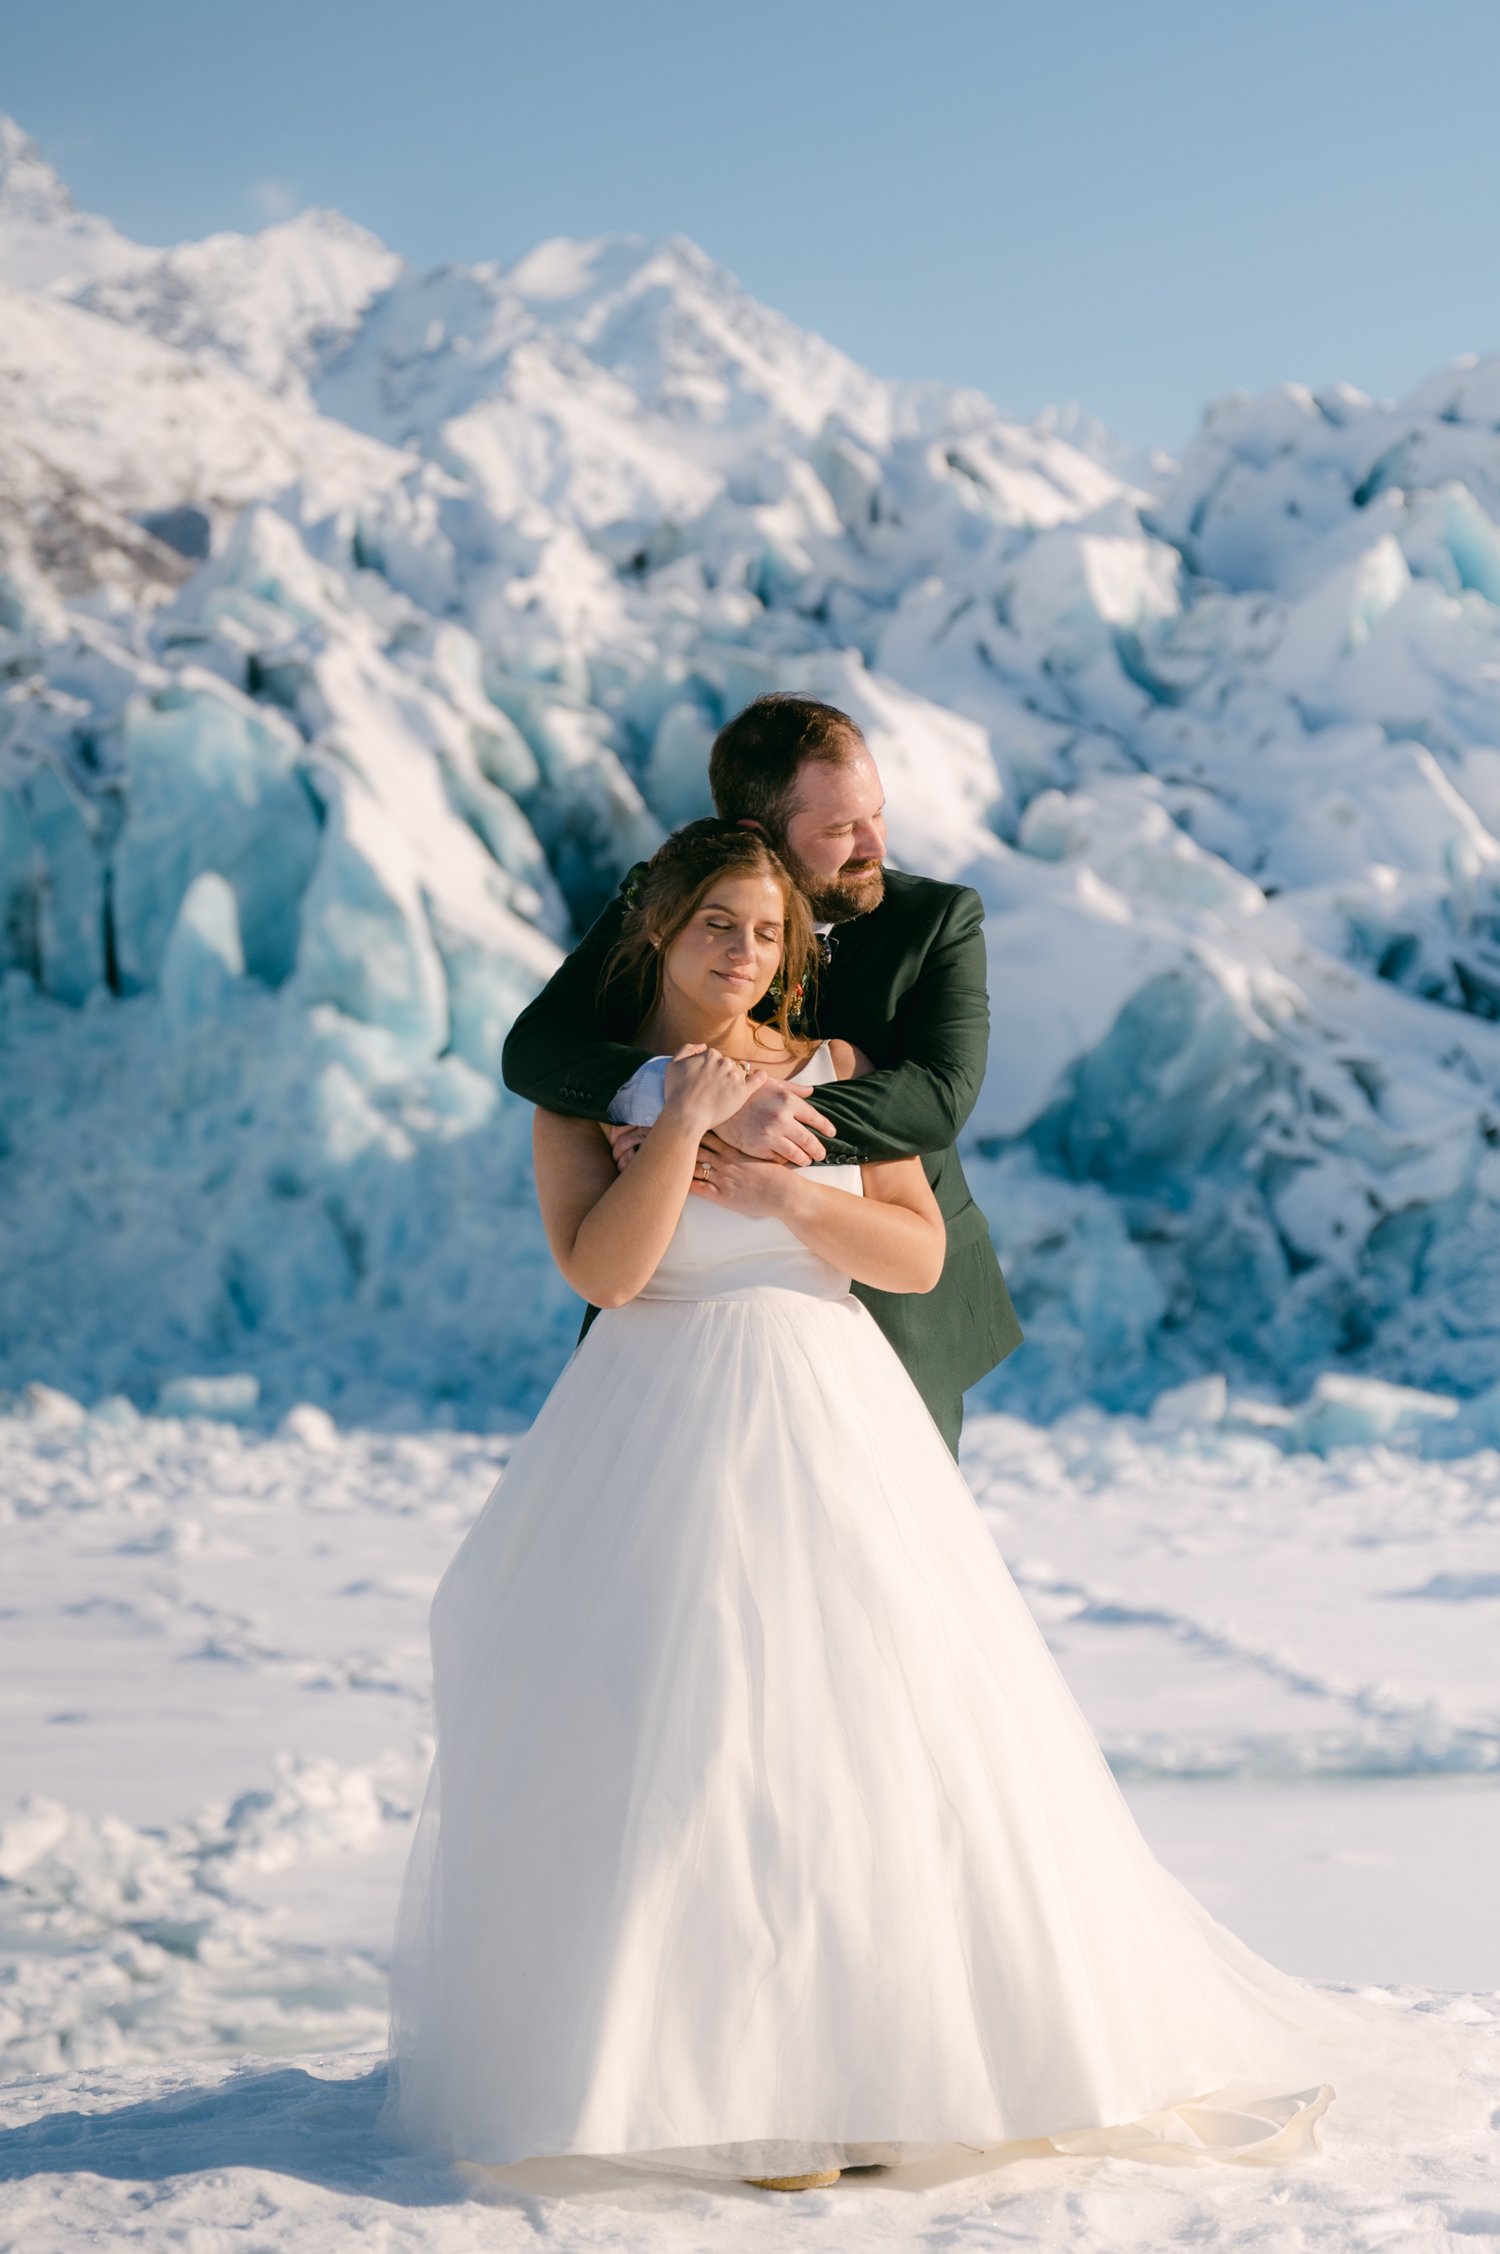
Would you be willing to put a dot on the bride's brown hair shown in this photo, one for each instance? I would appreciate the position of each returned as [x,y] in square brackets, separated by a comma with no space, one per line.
[667,893]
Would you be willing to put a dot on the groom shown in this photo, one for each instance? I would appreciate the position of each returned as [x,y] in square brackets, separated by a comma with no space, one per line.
[903,979]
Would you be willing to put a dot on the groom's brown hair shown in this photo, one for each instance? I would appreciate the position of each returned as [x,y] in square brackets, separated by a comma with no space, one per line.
[752,769]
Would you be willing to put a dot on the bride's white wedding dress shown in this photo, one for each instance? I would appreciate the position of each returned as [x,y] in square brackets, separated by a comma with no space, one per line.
[764,1833]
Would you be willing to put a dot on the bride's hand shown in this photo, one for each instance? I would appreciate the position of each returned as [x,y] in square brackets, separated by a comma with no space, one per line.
[704,1086]
[756,1187]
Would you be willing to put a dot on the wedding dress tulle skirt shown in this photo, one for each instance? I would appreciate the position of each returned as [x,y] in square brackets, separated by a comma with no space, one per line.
[764,1833]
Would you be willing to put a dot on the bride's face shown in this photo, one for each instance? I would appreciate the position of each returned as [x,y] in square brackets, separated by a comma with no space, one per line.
[729,950]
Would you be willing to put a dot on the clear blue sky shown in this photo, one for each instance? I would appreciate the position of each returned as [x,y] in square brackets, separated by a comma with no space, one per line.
[1136,206]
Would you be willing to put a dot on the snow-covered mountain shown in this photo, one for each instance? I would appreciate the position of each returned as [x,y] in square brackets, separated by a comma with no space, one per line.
[273,305]
[45,240]
[359,626]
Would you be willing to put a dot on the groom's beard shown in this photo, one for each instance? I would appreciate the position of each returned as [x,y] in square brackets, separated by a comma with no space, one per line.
[858,887]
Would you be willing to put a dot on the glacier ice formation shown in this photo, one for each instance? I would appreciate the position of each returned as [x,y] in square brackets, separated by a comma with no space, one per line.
[359,626]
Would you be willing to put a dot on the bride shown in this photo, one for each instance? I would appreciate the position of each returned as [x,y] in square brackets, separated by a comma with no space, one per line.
[764,1837]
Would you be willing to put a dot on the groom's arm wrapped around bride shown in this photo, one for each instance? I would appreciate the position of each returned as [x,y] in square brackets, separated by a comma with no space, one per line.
[919,1010]
[907,985]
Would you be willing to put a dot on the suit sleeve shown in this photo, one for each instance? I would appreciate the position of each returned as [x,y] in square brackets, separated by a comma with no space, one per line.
[941,1034]
[564,1052]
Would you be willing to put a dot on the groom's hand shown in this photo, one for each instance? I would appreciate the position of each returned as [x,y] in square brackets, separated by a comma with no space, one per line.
[778,1122]
[625,1142]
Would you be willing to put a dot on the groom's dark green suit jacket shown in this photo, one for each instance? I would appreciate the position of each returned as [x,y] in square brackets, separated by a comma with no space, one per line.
[907,985]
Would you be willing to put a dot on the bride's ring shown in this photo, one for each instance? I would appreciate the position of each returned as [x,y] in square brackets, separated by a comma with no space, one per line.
[704,1168]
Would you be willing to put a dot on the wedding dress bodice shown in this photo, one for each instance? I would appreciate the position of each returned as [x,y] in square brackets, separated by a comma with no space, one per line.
[716,1254]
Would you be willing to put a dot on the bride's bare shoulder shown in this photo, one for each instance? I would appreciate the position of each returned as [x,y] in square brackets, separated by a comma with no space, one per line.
[571,1145]
[848,1062]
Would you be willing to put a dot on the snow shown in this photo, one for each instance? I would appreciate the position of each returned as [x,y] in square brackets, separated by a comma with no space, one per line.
[273,304]
[214,1700]
[45,240]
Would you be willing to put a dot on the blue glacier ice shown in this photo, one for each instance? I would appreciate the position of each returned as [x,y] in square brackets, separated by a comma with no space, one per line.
[203,956]
[209,781]
[360,626]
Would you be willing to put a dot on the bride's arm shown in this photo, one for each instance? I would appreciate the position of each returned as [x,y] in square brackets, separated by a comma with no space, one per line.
[608,1231]
[893,1238]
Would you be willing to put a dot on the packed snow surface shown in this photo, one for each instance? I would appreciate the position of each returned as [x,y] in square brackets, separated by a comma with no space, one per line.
[213,1693]
[359,626]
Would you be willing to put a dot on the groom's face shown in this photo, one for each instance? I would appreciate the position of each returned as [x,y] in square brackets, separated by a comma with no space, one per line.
[834,842]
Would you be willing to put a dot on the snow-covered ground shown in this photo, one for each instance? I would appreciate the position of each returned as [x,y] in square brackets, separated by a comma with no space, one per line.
[213,1705]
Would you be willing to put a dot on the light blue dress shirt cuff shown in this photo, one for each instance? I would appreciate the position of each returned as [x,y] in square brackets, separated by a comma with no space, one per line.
[639,1102]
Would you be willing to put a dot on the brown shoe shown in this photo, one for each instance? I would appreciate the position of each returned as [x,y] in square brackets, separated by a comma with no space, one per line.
[817,2182]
